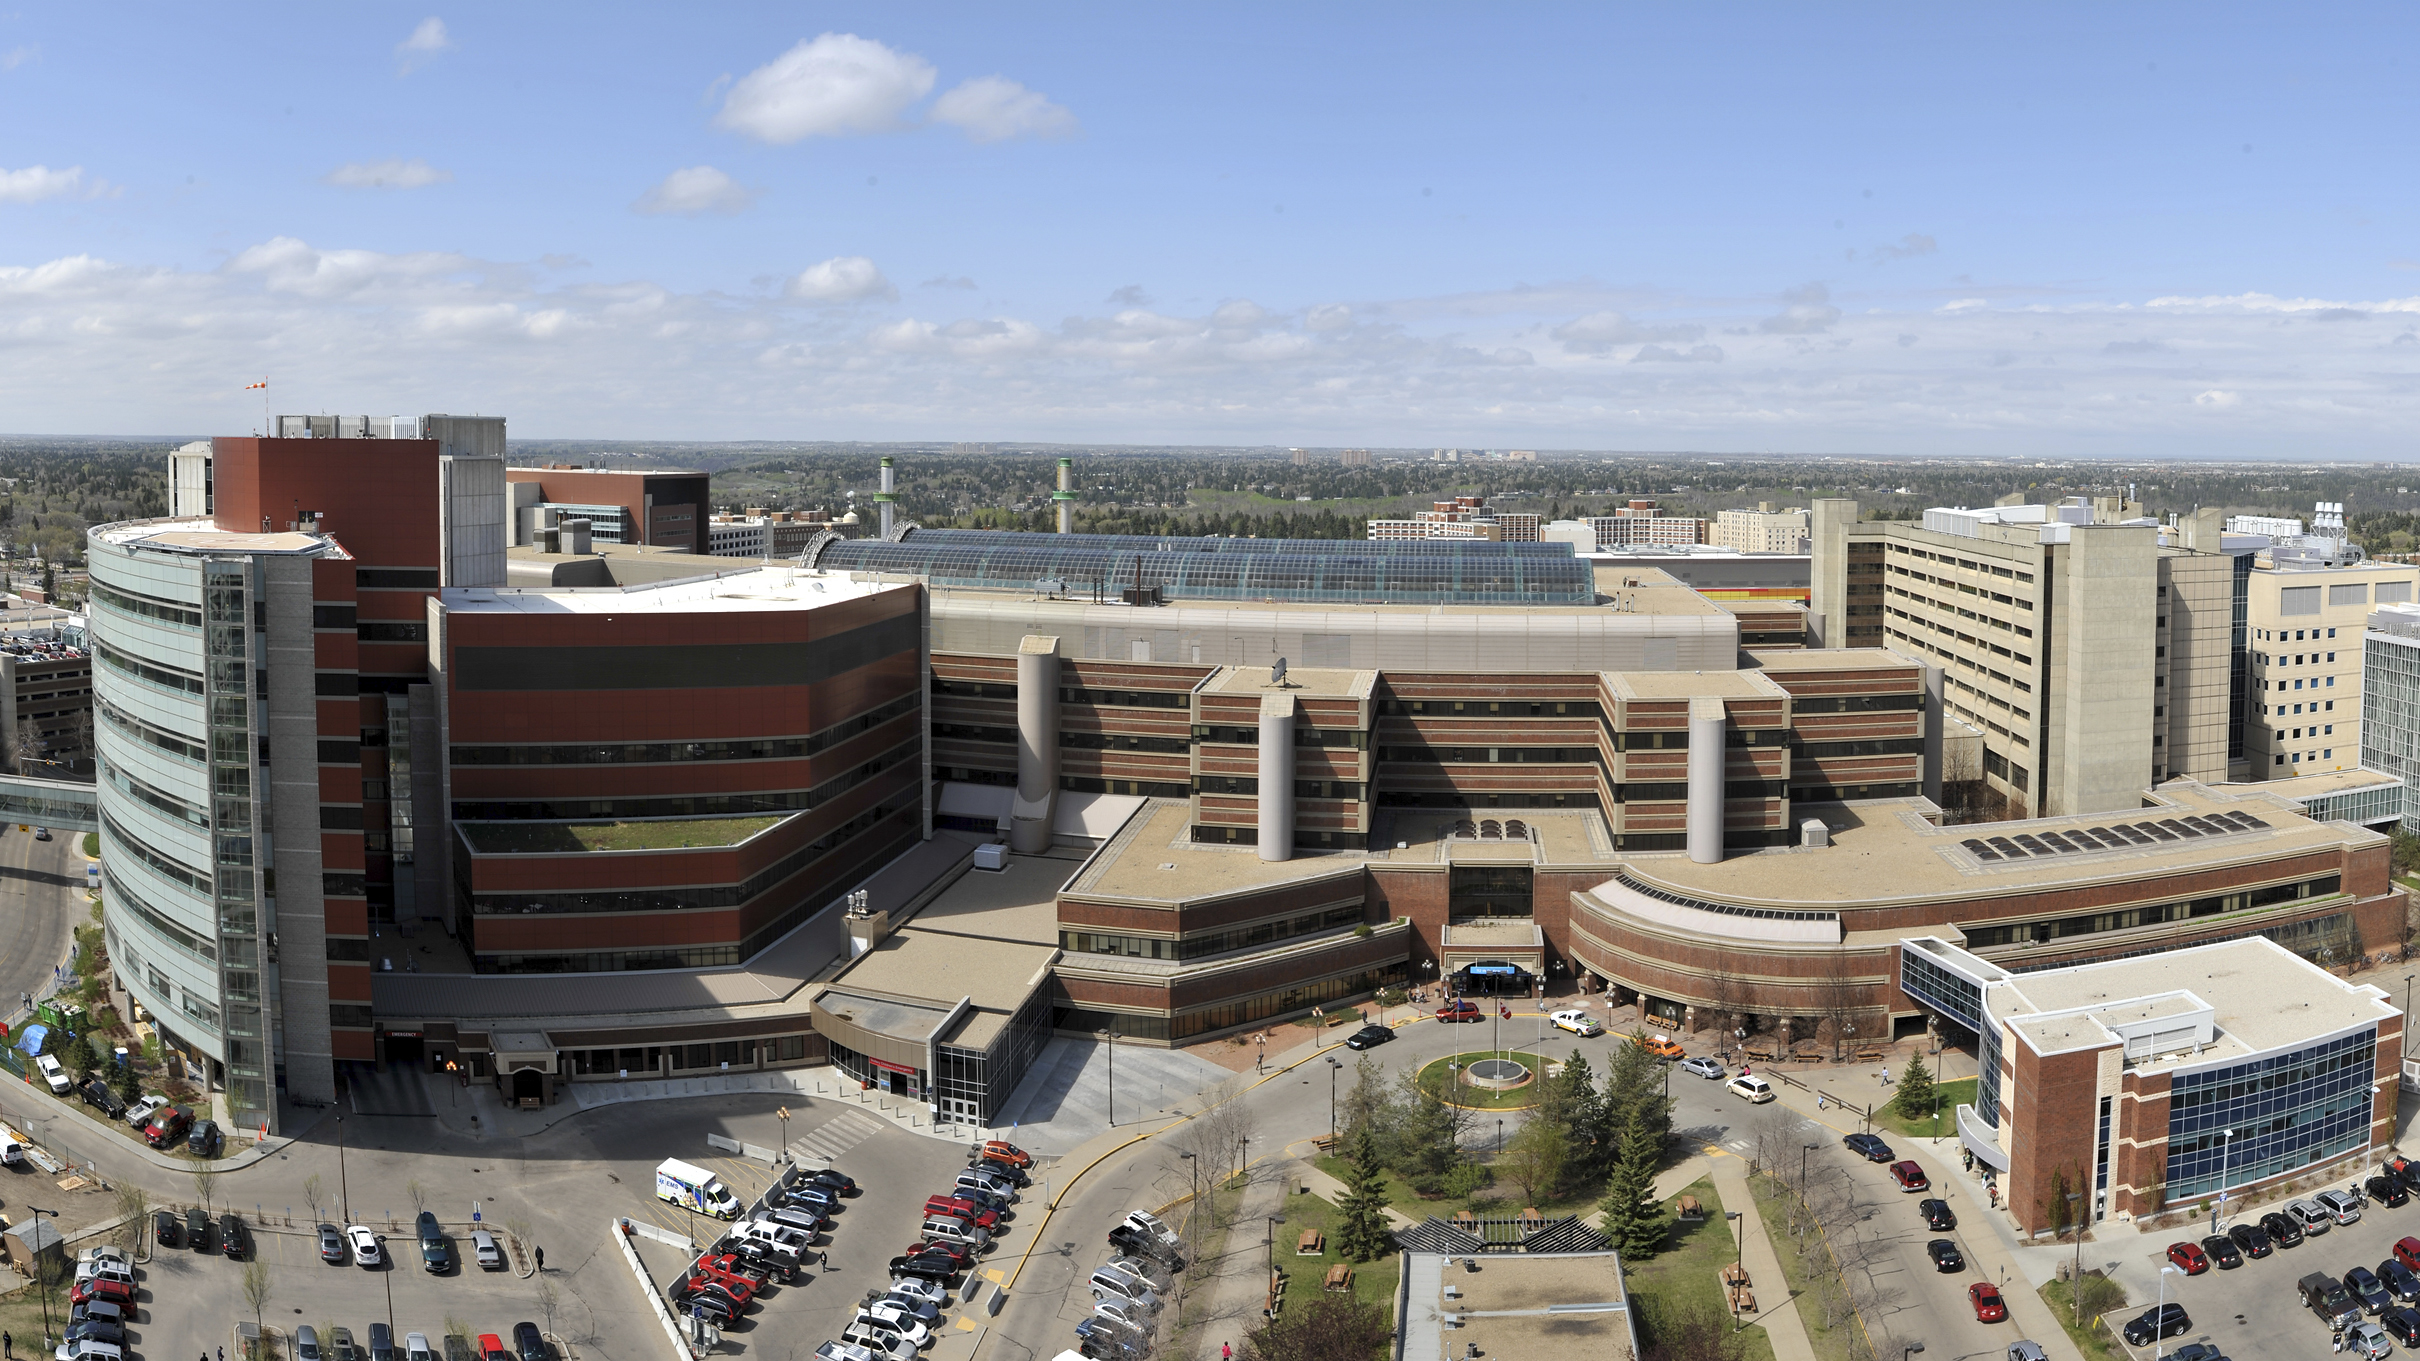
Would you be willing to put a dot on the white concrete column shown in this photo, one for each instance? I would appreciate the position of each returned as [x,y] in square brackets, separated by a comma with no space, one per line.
[1064,499]
[1037,745]
[1707,727]
[1277,777]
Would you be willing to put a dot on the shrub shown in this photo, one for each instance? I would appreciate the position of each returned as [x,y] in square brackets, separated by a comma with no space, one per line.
[1468,1178]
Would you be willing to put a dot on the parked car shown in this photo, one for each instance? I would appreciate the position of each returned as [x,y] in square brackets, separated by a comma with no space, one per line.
[2308,1214]
[56,1078]
[97,1095]
[2403,1325]
[1002,1151]
[2369,1340]
[1910,1177]
[986,1220]
[2407,1251]
[1579,1023]
[197,1229]
[2160,1321]
[2343,1208]
[932,1266]
[340,1344]
[2223,1253]
[2252,1239]
[2281,1229]
[2366,1291]
[1461,1009]
[436,1257]
[890,1318]
[1662,1046]
[485,1252]
[2388,1191]
[1937,1215]
[332,1245]
[306,1344]
[102,1288]
[416,1347]
[166,1229]
[2406,1169]
[491,1348]
[2189,1258]
[203,1141]
[382,1343]
[1869,1147]
[97,1330]
[167,1126]
[528,1343]
[1945,1255]
[1989,1307]
[2400,1281]
[1750,1088]
[1128,1240]
[1705,1067]
[837,1182]
[1368,1037]
[234,1240]
[367,1250]
[139,1114]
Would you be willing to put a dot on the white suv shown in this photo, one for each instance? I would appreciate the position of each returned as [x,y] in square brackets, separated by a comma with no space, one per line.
[53,1074]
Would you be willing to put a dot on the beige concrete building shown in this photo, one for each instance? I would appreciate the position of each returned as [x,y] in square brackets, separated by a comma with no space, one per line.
[1765,529]
[2093,660]
[2304,642]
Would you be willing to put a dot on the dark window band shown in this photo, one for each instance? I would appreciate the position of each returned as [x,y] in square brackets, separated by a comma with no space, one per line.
[710,666]
[657,753]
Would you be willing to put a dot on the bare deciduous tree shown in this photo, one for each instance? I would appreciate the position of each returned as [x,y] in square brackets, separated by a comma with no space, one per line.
[1839,989]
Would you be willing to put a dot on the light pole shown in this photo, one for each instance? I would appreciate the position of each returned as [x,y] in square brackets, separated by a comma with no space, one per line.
[1271,1231]
[1193,1207]
[1499,1137]
[1334,1068]
[344,1188]
[2226,1146]
[1910,1350]
[1803,1151]
[42,1277]
[2165,1273]
[1111,1035]
[1739,1231]
[2407,1014]
[2367,1142]
[783,1114]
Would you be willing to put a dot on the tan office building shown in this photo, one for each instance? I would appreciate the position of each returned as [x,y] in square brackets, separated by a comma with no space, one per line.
[2304,637]
[1762,530]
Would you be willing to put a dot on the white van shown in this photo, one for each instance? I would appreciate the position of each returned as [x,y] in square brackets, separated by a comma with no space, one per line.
[1112,1284]
[1751,1088]
[694,1188]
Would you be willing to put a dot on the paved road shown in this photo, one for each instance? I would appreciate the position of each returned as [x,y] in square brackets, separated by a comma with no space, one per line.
[41,900]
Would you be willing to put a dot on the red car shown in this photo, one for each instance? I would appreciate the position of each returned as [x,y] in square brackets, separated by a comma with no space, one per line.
[2189,1258]
[960,1254]
[1989,1307]
[2407,1251]
[1461,1009]
[102,1288]
[1002,1151]
[1911,1177]
[958,1207]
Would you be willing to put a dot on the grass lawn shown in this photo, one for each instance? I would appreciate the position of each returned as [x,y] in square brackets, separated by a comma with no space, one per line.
[1503,1198]
[1203,1253]
[533,838]
[2095,1342]
[1435,1077]
[1809,1272]
[1373,1282]
[1683,1279]
[1952,1095]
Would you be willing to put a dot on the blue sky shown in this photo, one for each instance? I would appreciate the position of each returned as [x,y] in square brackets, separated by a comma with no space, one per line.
[2063,231]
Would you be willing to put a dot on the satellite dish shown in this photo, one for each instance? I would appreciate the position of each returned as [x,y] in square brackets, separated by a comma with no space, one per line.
[1277,673]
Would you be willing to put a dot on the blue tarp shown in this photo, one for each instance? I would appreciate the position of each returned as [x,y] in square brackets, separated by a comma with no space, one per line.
[31,1040]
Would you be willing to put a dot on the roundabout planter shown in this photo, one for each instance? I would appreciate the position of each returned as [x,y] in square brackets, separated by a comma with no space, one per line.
[1485,1080]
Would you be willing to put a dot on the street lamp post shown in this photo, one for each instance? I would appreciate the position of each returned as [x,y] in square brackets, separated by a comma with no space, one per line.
[2366,1140]
[1111,1034]
[344,1188]
[783,1114]
[2226,1146]
[1499,1137]
[1739,1232]
[1803,1151]
[1193,1206]
[1334,1068]
[2076,1281]
[39,1276]
[2157,1350]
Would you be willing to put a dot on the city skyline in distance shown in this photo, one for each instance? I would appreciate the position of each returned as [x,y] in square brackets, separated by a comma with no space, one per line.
[2078,236]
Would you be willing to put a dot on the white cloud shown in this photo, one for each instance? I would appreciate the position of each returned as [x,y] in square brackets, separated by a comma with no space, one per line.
[1658,354]
[1334,316]
[1910,246]
[843,278]
[411,174]
[2217,398]
[17,56]
[1600,332]
[995,109]
[828,86]
[426,41]
[1809,312]
[37,182]
[695,190]
[949,281]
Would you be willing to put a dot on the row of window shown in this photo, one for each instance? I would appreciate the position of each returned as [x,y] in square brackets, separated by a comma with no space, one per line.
[2120,919]
[654,753]
[2315,684]
[1199,945]
[690,805]
[167,678]
[1981,644]
[1951,560]
[171,612]
[1303,789]
[1228,1015]
[2298,757]
[1949,583]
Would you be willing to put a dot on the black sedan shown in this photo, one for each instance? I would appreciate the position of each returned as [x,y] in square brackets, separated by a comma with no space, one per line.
[931,1266]
[166,1228]
[2282,1231]
[2388,1191]
[2165,1320]
[1368,1037]
[1937,1216]
[838,1183]
[2222,1252]
[2255,1244]
[1945,1255]
[1868,1147]
[102,1330]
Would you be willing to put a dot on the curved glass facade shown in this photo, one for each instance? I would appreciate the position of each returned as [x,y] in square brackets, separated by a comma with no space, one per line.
[2285,1111]
[1322,571]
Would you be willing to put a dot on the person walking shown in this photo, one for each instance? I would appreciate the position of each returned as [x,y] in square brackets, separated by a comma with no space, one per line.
[1225,1352]
[8,1345]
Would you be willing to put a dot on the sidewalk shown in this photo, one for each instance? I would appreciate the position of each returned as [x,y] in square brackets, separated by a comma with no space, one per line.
[1780,1320]
[1240,1286]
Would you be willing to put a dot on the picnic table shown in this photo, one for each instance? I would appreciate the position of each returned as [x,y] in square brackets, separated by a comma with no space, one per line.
[1691,1208]
[1870,1055]
[1277,1294]
[1340,1277]
[1311,1244]
[1735,1275]
[1531,1219]
[1464,1219]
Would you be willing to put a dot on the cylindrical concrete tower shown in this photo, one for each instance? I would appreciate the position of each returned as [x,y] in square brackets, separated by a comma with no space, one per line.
[884,498]
[1706,758]
[1064,499]
[1277,777]
[1037,745]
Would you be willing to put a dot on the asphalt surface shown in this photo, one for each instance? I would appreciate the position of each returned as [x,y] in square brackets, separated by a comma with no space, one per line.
[2253,1310]
[41,899]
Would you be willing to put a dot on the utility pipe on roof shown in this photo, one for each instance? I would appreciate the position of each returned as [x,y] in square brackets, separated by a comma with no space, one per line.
[1707,732]
[1037,745]
[1276,777]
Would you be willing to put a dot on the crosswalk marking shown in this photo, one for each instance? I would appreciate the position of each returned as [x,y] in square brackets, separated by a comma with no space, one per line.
[837,1136]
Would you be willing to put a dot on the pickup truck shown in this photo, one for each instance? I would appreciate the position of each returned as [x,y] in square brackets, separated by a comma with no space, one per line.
[2328,1299]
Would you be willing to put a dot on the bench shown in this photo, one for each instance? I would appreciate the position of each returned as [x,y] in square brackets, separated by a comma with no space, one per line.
[1311,1244]
[1340,1277]
[1325,1143]
[1743,1301]
[1691,1210]
[1870,1056]
[1277,1295]
[1735,1275]
[1761,1055]
[1531,1220]
[1464,1219]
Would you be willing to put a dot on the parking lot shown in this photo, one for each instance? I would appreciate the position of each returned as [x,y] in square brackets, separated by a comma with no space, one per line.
[2252,1310]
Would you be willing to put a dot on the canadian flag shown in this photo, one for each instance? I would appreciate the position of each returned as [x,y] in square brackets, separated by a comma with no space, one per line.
[1504,1011]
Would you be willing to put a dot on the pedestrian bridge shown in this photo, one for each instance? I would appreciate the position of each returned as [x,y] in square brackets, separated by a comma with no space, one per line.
[60,805]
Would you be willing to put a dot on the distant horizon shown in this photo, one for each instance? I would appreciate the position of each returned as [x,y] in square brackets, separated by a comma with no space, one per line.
[2081,233]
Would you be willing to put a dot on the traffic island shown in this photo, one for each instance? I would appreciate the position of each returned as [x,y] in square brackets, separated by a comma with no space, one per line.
[1493,1080]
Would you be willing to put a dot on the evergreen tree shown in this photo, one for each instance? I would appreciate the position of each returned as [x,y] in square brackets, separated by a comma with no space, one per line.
[1429,1140]
[1361,1231]
[78,1055]
[1633,1219]
[1915,1100]
[1571,1103]
[1634,1092]
[127,1085]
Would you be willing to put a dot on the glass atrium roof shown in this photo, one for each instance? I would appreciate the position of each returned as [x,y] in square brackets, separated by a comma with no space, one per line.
[1316,571]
